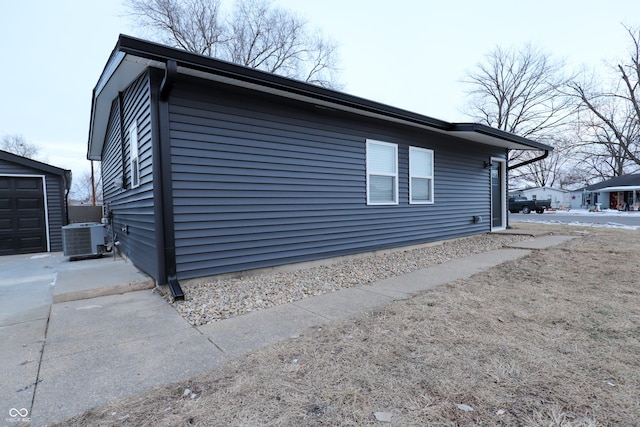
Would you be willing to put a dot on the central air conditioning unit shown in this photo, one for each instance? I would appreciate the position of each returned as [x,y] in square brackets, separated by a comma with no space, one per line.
[84,239]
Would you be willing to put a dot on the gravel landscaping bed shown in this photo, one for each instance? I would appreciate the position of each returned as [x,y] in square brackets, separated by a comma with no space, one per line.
[207,302]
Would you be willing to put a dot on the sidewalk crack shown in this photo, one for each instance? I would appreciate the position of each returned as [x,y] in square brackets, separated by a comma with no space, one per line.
[38,380]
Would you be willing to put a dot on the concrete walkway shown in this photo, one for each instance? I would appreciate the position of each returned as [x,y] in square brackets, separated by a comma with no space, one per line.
[99,342]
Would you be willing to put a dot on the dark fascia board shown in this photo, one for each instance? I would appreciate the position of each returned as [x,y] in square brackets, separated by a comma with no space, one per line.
[132,55]
[33,164]
[499,134]
[206,64]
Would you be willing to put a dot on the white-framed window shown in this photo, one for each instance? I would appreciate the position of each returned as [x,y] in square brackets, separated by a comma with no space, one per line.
[133,155]
[420,175]
[382,173]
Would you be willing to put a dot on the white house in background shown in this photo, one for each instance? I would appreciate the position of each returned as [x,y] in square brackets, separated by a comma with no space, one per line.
[560,199]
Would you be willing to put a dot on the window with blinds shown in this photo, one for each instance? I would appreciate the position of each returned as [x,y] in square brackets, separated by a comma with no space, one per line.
[420,175]
[382,173]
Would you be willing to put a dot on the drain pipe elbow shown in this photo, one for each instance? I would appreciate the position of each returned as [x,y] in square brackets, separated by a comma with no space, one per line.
[175,288]
[170,77]
[528,162]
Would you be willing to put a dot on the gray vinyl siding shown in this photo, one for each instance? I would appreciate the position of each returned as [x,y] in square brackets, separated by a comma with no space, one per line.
[56,208]
[132,207]
[258,183]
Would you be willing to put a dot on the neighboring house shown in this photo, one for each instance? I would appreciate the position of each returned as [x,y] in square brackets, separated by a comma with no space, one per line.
[209,167]
[578,199]
[621,192]
[560,199]
[32,205]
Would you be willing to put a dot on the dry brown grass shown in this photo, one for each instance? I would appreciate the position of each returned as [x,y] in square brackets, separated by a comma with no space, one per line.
[550,339]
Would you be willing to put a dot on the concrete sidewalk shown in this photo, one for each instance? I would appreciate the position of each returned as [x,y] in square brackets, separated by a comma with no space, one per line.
[91,352]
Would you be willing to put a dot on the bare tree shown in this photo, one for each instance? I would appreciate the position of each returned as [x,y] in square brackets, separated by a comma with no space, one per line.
[256,34]
[542,173]
[82,189]
[18,144]
[574,177]
[567,167]
[265,37]
[598,147]
[517,91]
[520,91]
[611,116]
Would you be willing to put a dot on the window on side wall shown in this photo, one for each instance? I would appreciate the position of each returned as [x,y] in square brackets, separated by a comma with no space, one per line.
[420,175]
[382,173]
[133,155]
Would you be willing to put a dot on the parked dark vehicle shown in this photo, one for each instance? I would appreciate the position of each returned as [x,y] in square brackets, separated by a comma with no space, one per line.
[517,204]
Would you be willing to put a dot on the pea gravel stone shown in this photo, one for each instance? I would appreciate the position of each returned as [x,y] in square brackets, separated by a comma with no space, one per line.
[210,301]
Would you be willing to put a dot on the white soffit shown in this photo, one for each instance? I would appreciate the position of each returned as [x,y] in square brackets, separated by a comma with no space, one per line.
[615,189]
[117,76]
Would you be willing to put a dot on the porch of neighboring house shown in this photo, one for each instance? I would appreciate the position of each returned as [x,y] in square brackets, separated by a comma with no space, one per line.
[621,193]
[621,200]
[625,200]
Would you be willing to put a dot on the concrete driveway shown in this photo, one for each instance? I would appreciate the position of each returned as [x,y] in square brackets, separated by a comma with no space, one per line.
[26,286]
[26,294]
[27,291]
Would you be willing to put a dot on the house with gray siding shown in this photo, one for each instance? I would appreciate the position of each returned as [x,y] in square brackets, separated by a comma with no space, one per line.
[620,193]
[33,205]
[209,167]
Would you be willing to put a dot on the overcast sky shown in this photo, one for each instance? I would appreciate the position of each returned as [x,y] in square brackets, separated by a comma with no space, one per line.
[410,54]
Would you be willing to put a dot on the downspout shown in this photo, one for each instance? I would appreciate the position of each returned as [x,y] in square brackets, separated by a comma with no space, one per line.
[527,162]
[163,182]
[66,178]
[123,154]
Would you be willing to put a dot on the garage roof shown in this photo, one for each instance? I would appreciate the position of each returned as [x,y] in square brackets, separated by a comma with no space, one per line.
[132,56]
[33,164]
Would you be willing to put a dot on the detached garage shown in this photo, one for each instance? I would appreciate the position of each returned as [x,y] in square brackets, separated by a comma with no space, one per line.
[32,205]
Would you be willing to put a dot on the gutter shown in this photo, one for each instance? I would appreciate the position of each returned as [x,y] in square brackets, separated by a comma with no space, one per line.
[491,132]
[206,67]
[258,78]
[132,56]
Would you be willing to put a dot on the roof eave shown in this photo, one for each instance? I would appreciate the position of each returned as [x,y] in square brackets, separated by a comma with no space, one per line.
[33,164]
[131,56]
[511,141]
[119,72]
